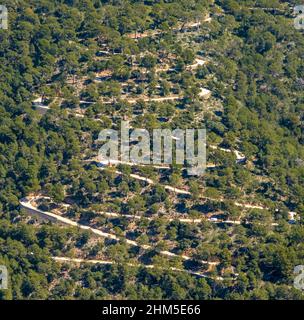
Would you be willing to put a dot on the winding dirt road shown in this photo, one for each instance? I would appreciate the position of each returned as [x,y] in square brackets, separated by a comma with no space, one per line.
[26,203]
[106,262]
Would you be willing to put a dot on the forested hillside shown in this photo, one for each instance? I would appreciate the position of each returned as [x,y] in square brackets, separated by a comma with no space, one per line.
[70,68]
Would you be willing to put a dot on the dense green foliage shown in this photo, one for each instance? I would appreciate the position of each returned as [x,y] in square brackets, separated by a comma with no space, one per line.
[255,72]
